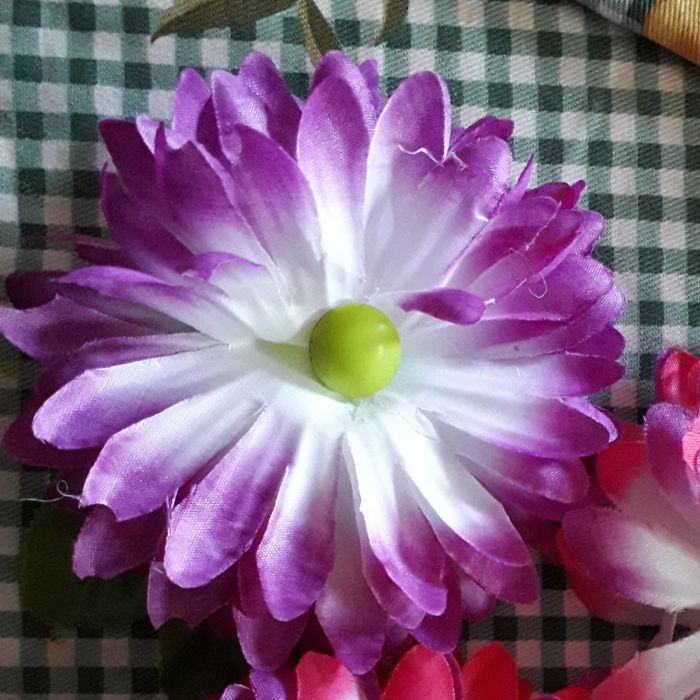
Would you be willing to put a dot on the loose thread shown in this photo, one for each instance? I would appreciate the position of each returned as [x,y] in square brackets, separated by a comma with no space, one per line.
[61,487]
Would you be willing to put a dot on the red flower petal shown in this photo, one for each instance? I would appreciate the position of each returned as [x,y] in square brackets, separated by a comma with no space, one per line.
[524,689]
[423,674]
[678,378]
[321,677]
[619,466]
[573,694]
[490,674]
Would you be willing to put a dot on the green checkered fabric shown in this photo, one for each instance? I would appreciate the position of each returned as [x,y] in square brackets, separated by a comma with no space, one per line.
[592,99]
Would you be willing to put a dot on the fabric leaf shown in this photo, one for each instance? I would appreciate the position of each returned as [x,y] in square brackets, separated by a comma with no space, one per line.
[395,13]
[196,662]
[54,595]
[318,36]
[186,16]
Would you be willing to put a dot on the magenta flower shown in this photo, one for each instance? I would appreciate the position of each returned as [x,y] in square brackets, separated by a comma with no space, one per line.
[640,562]
[330,347]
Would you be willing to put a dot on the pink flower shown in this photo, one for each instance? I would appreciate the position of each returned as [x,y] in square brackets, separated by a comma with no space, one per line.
[640,562]
[490,674]
[326,353]
[678,378]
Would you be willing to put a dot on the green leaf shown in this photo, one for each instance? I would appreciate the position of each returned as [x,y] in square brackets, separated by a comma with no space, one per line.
[187,16]
[196,662]
[54,595]
[318,36]
[395,13]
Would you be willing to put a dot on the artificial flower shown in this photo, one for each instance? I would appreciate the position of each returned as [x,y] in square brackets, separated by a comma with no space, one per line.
[328,345]
[639,562]
[489,674]
[677,378]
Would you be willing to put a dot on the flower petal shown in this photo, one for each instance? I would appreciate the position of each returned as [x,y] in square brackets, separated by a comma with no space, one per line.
[600,601]
[514,339]
[471,525]
[520,503]
[202,216]
[677,378]
[539,426]
[477,604]
[575,284]
[508,234]
[457,499]
[295,555]
[266,643]
[370,72]
[394,601]
[332,153]
[416,116]
[451,305]
[276,203]
[671,672]
[515,194]
[219,519]
[237,692]
[423,205]
[421,673]
[591,229]
[441,632]
[108,352]
[490,674]
[191,95]
[27,290]
[516,583]
[202,309]
[131,157]
[566,374]
[193,605]
[142,466]
[347,611]
[250,595]
[252,294]
[625,476]
[278,685]
[88,410]
[608,343]
[483,128]
[122,309]
[321,677]
[262,78]
[672,442]
[21,444]
[199,126]
[564,481]
[536,259]
[106,547]
[235,104]
[631,559]
[60,328]
[144,240]
[398,532]
[336,65]
[567,195]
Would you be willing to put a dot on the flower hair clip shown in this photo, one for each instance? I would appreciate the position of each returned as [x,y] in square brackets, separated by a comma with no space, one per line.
[334,353]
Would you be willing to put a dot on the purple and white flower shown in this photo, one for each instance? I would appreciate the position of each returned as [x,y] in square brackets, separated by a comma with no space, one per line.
[337,481]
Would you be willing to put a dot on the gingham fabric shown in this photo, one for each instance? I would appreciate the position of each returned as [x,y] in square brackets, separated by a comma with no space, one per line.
[592,99]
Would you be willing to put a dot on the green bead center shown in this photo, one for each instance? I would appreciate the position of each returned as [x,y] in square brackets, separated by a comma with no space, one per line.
[355,350]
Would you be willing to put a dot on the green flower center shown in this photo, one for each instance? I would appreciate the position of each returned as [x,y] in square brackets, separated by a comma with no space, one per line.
[355,350]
